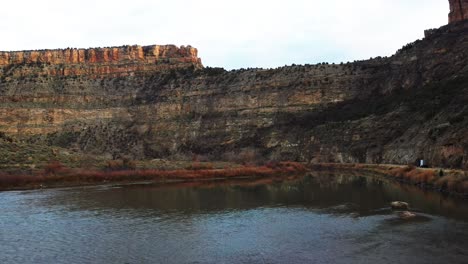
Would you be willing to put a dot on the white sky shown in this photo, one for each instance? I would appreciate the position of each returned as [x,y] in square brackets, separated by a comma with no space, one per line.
[229,34]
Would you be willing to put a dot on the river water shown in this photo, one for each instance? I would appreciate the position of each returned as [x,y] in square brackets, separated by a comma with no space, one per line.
[312,219]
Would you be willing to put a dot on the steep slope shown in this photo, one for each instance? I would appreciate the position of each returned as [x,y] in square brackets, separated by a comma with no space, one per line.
[385,110]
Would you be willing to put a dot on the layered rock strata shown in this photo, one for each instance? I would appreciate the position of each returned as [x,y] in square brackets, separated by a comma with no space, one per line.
[116,61]
[410,106]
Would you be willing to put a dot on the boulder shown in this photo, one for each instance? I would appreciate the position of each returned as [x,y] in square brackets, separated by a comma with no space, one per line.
[399,205]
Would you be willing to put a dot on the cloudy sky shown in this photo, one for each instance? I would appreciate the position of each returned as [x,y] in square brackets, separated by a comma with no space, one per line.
[230,34]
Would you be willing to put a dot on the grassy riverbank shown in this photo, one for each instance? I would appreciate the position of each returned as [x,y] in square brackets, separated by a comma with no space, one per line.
[443,180]
[55,175]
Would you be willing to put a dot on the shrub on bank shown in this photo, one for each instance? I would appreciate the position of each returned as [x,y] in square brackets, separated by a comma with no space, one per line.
[121,164]
[53,167]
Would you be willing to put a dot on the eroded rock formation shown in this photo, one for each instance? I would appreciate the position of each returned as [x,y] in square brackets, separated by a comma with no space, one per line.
[118,61]
[458,10]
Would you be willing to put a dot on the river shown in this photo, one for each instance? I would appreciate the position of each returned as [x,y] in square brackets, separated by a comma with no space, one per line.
[313,219]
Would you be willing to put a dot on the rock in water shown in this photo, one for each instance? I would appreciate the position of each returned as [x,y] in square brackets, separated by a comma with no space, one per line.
[399,205]
[405,215]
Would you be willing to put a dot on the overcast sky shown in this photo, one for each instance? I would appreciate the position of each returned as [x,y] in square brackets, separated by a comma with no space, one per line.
[230,34]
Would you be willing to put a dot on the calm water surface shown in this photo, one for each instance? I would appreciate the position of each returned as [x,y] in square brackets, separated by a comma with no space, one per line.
[315,219]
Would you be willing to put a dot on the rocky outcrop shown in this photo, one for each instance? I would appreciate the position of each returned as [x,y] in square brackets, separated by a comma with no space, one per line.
[118,61]
[458,10]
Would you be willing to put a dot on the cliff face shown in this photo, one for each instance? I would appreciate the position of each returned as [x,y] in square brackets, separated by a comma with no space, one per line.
[118,61]
[458,10]
[386,110]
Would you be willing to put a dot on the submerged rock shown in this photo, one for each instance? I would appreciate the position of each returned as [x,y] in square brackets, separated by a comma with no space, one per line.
[348,208]
[399,205]
[406,215]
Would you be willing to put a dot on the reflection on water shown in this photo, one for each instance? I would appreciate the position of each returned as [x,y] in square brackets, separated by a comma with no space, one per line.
[314,219]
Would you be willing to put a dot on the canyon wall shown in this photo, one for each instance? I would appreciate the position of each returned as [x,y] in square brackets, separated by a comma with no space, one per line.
[115,61]
[165,105]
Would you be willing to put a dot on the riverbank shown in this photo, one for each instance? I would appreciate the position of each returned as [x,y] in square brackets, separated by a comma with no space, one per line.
[56,175]
[450,181]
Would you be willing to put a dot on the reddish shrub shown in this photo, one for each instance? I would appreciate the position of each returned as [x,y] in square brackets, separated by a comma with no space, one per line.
[293,165]
[428,176]
[272,164]
[53,167]
[56,175]
[121,164]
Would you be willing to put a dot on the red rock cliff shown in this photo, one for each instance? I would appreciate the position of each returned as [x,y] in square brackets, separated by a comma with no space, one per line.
[119,61]
[458,10]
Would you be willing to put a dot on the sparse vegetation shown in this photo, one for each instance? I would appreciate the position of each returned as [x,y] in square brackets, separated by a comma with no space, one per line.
[449,181]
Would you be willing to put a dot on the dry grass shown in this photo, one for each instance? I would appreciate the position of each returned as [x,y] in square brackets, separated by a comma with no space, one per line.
[56,175]
[447,181]
[452,181]
[414,175]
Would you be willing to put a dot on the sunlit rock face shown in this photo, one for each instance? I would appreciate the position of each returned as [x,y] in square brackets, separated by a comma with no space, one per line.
[116,61]
[458,10]
[160,102]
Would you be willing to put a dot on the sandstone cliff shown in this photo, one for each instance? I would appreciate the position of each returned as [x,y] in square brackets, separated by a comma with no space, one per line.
[116,61]
[399,109]
[458,10]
